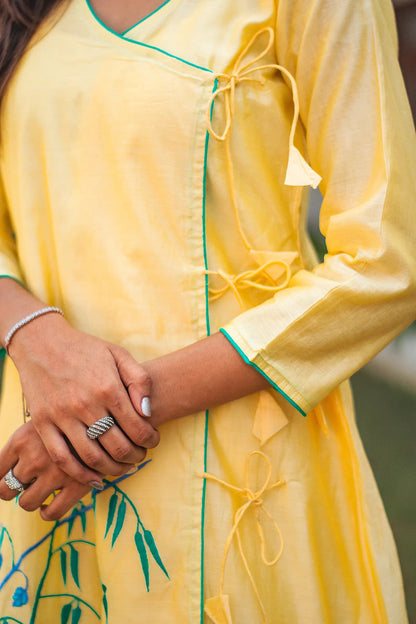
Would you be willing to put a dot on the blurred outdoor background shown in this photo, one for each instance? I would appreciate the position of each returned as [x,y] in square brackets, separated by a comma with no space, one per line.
[385,390]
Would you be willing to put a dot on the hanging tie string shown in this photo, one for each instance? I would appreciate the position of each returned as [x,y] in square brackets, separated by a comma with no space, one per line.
[299,173]
[254,500]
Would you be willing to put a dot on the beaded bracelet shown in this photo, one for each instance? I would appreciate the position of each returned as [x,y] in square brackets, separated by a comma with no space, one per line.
[25,321]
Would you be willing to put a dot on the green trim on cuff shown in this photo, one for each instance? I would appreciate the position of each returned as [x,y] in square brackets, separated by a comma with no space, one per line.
[16,279]
[271,382]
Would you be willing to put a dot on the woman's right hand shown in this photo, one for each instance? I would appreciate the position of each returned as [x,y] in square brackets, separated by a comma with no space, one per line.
[70,380]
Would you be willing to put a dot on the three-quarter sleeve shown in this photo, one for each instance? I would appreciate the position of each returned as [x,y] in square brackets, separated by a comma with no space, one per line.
[360,138]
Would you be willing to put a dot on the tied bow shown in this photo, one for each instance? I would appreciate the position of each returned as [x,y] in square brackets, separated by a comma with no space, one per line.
[218,608]
[299,172]
[247,280]
[270,264]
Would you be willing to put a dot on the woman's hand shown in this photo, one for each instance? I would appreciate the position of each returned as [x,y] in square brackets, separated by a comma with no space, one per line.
[31,464]
[71,380]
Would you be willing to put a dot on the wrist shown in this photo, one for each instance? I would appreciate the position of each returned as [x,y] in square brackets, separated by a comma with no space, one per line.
[35,334]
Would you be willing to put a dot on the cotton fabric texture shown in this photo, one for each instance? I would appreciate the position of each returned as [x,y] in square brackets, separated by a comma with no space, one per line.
[152,190]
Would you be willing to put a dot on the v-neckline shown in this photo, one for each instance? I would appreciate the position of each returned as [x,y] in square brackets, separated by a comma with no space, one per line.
[125,33]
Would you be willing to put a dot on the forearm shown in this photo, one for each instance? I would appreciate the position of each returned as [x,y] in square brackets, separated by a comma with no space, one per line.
[200,376]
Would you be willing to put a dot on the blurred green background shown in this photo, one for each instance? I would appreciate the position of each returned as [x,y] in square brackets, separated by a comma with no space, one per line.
[386,416]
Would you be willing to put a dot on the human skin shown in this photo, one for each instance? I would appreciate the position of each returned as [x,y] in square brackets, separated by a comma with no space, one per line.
[71,379]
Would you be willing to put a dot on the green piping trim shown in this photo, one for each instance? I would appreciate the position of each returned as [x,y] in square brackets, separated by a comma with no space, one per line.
[247,361]
[208,325]
[145,18]
[140,43]
[15,279]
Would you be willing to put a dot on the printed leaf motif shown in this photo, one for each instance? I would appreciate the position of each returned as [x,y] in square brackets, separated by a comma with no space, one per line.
[63,558]
[153,549]
[141,549]
[111,511]
[121,514]
[76,615]
[83,519]
[71,525]
[65,613]
[74,560]
[105,601]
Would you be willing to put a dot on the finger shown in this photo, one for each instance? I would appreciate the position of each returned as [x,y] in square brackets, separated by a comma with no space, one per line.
[135,379]
[6,492]
[62,457]
[136,428]
[120,447]
[46,483]
[93,454]
[63,501]
[8,457]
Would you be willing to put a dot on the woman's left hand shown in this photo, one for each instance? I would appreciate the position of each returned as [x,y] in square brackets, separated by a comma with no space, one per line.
[26,454]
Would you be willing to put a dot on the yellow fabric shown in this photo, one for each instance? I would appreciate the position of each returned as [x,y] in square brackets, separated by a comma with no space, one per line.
[122,209]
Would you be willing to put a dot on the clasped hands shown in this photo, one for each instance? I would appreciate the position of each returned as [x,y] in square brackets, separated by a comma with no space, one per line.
[70,381]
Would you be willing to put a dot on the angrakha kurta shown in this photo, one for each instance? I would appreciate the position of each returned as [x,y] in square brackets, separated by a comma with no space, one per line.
[153,189]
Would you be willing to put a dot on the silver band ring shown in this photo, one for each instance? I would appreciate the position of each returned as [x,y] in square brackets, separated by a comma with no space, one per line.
[100,427]
[13,483]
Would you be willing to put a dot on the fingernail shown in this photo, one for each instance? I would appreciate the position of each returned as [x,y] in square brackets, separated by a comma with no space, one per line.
[145,406]
[97,485]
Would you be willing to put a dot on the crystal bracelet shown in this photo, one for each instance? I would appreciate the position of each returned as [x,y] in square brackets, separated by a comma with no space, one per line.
[25,321]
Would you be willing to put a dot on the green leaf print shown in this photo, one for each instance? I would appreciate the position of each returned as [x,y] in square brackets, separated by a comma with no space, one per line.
[65,613]
[153,549]
[141,549]
[74,560]
[121,514]
[70,560]
[76,615]
[71,525]
[112,505]
[83,520]
[105,601]
[63,558]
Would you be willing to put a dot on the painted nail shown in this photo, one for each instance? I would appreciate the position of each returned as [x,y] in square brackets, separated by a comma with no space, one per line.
[97,485]
[145,406]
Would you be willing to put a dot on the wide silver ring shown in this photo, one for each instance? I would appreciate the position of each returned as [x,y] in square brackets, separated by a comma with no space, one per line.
[100,427]
[13,483]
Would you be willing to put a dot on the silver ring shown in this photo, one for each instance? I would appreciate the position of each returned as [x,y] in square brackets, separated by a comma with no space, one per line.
[12,482]
[100,427]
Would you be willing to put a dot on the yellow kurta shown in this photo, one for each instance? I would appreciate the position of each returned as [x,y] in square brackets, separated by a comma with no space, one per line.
[153,189]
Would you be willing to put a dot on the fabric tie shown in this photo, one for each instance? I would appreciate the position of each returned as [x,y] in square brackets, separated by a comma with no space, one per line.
[298,173]
[247,279]
[218,608]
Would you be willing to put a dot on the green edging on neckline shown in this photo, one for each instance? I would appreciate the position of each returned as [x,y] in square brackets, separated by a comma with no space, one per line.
[247,361]
[123,34]
[140,43]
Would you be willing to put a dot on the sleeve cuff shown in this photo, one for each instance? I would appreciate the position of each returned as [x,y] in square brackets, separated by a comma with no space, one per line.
[278,382]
